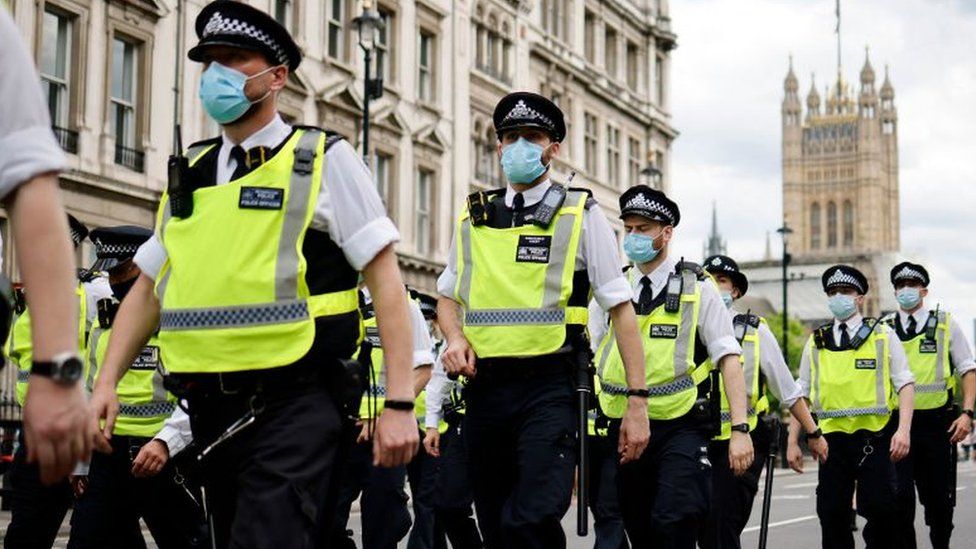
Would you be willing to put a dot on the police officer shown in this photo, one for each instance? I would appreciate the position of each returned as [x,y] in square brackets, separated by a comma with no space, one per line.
[521,268]
[37,509]
[136,480]
[251,276]
[664,496]
[937,352]
[854,371]
[385,519]
[763,367]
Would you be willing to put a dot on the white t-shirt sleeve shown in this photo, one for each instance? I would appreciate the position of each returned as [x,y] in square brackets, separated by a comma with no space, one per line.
[26,141]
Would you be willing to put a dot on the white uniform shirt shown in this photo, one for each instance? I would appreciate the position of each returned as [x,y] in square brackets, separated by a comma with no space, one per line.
[422,344]
[959,351]
[597,253]
[437,391]
[27,145]
[176,432]
[900,374]
[714,320]
[779,379]
[349,209]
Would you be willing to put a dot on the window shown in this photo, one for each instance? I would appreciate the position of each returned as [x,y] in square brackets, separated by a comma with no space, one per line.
[633,161]
[381,177]
[589,36]
[659,164]
[125,67]
[425,65]
[633,63]
[383,59]
[831,225]
[335,11]
[493,48]
[659,80]
[486,168]
[589,143]
[422,208]
[610,53]
[888,127]
[554,17]
[848,224]
[55,68]
[283,14]
[815,226]
[613,156]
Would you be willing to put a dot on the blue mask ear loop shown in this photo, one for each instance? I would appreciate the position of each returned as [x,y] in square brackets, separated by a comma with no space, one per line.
[265,71]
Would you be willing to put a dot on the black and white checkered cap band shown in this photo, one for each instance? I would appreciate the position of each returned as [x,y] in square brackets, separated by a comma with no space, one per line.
[909,273]
[653,207]
[219,24]
[840,278]
[115,250]
[522,111]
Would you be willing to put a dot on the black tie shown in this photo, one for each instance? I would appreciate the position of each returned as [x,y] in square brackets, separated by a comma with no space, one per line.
[911,325]
[518,203]
[646,295]
[246,160]
[845,338]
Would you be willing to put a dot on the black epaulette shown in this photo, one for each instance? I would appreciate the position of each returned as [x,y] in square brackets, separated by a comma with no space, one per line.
[479,206]
[86,275]
[748,319]
[331,137]
[820,335]
[205,142]
[627,268]
[692,267]
[590,201]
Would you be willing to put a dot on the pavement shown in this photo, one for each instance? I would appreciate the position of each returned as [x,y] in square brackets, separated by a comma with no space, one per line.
[792,521]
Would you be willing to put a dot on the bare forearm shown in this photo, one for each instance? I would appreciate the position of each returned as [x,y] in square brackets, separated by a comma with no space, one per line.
[393,319]
[421,376]
[969,390]
[46,259]
[629,344]
[795,425]
[135,322]
[906,406]
[448,319]
[801,413]
[735,387]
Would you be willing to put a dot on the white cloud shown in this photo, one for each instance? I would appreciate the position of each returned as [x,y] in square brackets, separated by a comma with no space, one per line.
[727,86]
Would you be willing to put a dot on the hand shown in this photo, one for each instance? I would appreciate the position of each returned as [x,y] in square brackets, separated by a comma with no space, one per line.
[366,430]
[396,438]
[104,407]
[740,452]
[901,443]
[960,428]
[57,429]
[794,456]
[432,442]
[458,358]
[79,483]
[151,459]
[818,447]
[635,430]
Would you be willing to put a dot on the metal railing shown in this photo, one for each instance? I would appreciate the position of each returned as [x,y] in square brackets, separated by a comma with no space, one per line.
[130,158]
[67,139]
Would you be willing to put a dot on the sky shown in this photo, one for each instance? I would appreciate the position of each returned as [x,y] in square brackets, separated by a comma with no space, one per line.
[727,88]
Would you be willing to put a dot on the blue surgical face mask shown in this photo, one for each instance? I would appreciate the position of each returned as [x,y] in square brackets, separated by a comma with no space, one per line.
[522,161]
[908,297]
[222,92]
[727,298]
[842,306]
[640,247]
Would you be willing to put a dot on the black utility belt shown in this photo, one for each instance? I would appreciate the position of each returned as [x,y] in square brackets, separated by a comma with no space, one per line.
[283,379]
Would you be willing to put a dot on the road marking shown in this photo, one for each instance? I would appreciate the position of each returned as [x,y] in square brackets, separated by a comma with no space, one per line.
[781,523]
[961,488]
[800,485]
[794,496]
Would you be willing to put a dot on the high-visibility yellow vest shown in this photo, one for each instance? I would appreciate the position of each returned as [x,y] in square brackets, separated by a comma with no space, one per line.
[514,284]
[851,389]
[930,362]
[144,404]
[756,402]
[20,347]
[592,416]
[671,373]
[233,290]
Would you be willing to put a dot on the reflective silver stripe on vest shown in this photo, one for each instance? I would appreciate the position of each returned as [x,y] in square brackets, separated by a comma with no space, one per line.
[727,416]
[161,287]
[512,317]
[749,360]
[880,384]
[23,376]
[286,268]
[464,287]
[940,343]
[683,342]
[234,317]
[149,409]
[815,388]
[931,387]
[853,412]
[665,389]
[96,335]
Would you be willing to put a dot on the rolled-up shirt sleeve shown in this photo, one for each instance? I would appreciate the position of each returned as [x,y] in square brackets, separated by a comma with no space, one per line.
[715,324]
[176,432]
[150,257]
[434,395]
[778,376]
[959,350]
[599,249]
[901,374]
[423,346]
[447,281]
[804,374]
[28,144]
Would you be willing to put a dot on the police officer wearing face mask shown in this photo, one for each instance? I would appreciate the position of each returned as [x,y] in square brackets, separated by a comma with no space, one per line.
[854,372]
[937,352]
[513,308]
[764,368]
[664,496]
[251,277]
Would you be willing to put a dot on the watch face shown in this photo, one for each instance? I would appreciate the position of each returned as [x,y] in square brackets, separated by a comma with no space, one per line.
[71,369]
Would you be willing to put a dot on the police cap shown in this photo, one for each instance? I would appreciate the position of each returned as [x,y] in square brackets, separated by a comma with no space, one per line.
[909,271]
[650,203]
[844,276]
[236,24]
[529,110]
[115,245]
[725,265]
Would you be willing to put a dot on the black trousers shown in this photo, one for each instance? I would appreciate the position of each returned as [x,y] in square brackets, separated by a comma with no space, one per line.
[107,514]
[37,511]
[453,499]
[732,496]
[929,467]
[520,432]
[608,524]
[268,485]
[664,495]
[874,477]
[385,519]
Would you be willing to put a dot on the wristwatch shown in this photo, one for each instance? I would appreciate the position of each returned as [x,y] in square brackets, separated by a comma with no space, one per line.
[816,434]
[741,427]
[64,369]
[642,393]
[403,405]
[968,412]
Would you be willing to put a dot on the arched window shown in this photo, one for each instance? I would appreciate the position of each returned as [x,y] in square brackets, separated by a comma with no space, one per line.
[848,224]
[831,225]
[815,226]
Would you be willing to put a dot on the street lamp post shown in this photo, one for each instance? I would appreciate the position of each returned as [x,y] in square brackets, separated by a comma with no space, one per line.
[368,25]
[785,231]
[654,174]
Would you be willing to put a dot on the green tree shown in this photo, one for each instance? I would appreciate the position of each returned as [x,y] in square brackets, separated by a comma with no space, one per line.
[798,335]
